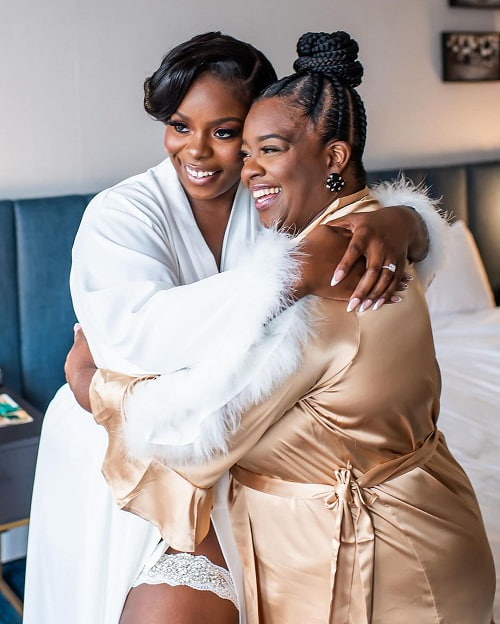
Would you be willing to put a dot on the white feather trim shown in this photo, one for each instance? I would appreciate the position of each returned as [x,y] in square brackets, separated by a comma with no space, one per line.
[187,415]
[152,430]
[405,193]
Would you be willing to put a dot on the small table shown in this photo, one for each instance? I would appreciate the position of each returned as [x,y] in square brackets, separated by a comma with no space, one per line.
[18,451]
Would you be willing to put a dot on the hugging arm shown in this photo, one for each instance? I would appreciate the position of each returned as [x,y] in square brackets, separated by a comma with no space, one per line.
[138,320]
[178,500]
[410,227]
[127,292]
[125,286]
[199,446]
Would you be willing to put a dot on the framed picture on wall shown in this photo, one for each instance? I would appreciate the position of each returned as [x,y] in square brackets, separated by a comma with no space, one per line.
[470,56]
[476,4]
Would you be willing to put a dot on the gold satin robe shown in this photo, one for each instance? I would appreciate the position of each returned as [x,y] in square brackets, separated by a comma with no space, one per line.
[347,506]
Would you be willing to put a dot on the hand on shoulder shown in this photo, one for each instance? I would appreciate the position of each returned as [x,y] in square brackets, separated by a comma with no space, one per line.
[322,250]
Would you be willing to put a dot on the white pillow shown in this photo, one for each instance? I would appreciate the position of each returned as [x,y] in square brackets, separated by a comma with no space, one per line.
[462,284]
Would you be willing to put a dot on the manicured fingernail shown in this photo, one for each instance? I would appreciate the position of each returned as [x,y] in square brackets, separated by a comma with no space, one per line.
[353,304]
[365,305]
[338,276]
[407,276]
[403,286]
[378,303]
[77,327]
[396,299]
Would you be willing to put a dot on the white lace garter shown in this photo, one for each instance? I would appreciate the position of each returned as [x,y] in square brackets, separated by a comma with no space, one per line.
[195,571]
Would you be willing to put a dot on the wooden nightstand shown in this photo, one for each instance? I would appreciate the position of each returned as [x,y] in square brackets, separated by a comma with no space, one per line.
[18,451]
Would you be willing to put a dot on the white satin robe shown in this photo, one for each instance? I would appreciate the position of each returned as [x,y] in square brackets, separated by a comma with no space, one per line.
[136,242]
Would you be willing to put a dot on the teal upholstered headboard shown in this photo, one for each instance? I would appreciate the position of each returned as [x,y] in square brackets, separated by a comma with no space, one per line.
[470,192]
[36,315]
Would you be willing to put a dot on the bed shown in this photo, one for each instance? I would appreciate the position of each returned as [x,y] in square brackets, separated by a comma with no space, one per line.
[466,325]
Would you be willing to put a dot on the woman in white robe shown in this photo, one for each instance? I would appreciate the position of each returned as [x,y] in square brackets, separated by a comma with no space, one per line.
[154,288]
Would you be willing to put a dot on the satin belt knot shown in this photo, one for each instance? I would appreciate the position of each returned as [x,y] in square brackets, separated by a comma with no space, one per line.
[342,491]
[353,537]
[353,544]
[346,490]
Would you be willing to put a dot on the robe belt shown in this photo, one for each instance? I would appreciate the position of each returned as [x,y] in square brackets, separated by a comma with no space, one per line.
[353,539]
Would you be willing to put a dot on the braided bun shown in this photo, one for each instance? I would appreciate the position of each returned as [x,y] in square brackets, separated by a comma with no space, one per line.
[334,55]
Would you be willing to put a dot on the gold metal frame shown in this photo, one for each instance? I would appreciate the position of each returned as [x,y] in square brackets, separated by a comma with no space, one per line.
[5,588]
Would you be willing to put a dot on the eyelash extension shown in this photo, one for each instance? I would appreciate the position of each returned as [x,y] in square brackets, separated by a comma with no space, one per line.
[231,132]
[270,149]
[174,123]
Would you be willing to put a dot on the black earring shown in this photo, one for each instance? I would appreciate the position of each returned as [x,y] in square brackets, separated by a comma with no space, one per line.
[334,182]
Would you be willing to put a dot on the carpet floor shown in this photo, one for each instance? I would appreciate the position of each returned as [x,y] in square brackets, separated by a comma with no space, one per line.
[13,573]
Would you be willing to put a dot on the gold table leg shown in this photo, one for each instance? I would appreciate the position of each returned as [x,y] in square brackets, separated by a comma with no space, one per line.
[10,595]
[5,588]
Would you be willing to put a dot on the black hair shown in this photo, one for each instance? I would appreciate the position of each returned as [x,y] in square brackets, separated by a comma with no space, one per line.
[221,55]
[323,90]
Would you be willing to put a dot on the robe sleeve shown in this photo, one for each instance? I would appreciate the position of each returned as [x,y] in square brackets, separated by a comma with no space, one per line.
[179,501]
[174,492]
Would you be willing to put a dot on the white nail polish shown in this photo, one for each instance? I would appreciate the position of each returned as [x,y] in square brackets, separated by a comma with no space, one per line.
[338,276]
[353,304]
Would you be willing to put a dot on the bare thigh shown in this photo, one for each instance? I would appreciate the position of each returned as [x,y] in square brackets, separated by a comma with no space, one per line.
[165,604]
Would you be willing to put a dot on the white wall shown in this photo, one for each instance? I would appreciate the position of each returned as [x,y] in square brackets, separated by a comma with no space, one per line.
[71,74]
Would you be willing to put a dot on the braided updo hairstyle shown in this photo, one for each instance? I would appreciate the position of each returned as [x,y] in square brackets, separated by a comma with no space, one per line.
[223,56]
[323,89]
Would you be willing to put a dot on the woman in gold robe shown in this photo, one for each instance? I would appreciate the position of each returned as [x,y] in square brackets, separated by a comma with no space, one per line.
[347,506]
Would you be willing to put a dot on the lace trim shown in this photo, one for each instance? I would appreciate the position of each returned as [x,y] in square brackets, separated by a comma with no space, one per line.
[195,571]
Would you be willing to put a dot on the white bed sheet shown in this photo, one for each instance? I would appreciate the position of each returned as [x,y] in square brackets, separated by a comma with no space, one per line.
[468,351]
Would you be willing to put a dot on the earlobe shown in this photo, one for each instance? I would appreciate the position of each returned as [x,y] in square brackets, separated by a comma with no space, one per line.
[339,154]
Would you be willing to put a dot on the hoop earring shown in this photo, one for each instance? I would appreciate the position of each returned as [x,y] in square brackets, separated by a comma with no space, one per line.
[334,182]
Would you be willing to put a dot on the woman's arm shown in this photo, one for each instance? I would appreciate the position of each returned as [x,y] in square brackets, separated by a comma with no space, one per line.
[207,326]
[79,368]
[176,410]
[392,236]
[127,284]
[179,500]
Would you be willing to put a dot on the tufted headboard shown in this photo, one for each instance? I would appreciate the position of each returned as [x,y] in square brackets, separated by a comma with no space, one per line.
[470,192]
[36,315]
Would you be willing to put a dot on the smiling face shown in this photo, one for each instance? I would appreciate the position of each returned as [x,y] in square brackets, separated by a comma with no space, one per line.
[285,165]
[203,140]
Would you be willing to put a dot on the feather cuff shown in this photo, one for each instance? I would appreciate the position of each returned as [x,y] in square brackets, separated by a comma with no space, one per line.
[188,415]
[403,192]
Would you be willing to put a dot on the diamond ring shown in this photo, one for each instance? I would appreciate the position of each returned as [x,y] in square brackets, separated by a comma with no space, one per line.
[391,267]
